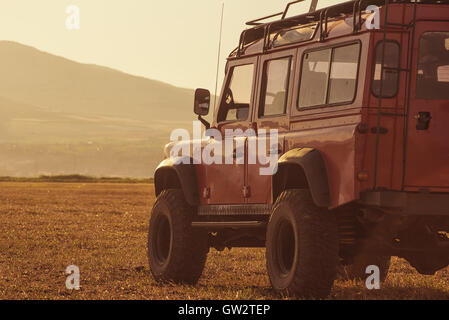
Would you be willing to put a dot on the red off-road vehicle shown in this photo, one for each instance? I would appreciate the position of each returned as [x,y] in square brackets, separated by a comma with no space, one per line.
[362,113]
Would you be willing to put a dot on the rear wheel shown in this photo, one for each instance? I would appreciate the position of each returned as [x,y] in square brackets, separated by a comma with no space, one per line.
[176,252]
[302,246]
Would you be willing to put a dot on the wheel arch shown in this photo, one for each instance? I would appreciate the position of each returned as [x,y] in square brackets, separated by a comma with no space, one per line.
[303,168]
[171,175]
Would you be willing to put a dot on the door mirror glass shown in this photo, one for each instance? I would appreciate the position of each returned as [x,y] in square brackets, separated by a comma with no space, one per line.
[202,102]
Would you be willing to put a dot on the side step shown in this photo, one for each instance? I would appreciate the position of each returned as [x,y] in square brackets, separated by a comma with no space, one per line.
[230,225]
[235,210]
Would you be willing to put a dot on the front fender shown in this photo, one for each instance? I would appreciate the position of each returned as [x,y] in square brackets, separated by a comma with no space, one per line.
[178,173]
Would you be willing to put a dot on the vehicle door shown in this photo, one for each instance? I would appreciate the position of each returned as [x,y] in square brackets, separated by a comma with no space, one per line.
[274,99]
[226,180]
[427,153]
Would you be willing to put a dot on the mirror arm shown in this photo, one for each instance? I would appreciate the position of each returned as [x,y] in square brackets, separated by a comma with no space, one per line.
[204,122]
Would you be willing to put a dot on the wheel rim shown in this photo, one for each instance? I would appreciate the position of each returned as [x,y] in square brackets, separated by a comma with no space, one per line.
[285,247]
[162,238]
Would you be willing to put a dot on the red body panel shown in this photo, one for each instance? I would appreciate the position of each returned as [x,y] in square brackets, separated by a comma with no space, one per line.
[427,165]
[335,130]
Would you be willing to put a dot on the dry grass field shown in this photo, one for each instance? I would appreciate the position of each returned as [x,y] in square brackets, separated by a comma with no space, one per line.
[45,227]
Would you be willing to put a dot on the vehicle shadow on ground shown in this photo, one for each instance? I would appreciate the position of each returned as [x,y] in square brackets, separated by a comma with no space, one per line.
[246,292]
[388,293]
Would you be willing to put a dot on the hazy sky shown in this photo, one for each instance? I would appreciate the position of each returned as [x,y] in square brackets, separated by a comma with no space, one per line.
[173,41]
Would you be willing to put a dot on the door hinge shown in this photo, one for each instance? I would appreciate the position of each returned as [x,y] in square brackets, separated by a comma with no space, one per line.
[379,130]
[206,193]
[246,191]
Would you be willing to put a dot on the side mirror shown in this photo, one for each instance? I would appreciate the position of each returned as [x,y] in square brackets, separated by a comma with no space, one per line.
[202,102]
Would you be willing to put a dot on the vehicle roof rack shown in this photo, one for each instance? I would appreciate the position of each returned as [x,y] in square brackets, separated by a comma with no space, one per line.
[261,30]
[282,14]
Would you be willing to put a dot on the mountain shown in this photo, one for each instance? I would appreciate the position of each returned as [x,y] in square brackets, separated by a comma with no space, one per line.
[37,78]
[58,116]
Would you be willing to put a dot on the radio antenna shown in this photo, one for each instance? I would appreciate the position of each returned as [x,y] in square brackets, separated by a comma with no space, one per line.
[219,54]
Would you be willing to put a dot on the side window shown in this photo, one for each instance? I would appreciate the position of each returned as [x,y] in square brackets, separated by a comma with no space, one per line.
[391,77]
[329,76]
[237,94]
[432,81]
[314,78]
[343,77]
[275,84]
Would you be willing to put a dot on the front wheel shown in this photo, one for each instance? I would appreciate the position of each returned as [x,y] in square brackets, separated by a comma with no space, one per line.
[302,246]
[176,252]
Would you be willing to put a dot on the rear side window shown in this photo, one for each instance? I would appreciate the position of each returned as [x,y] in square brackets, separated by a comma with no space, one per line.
[329,76]
[237,95]
[343,77]
[390,83]
[275,87]
[432,80]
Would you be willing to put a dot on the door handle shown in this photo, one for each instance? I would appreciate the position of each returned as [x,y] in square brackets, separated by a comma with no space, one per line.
[424,119]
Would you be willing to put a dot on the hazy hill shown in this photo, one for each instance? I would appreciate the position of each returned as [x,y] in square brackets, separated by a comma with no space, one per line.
[40,79]
[62,117]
